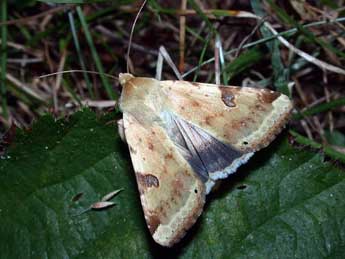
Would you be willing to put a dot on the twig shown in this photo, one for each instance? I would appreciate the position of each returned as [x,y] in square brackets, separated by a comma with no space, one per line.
[3,61]
[216,60]
[168,59]
[306,129]
[23,87]
[25,49]
[36,16]
[299,52]
[58,80]
[254,43]
[328,99]
[305,55]
[159,66]
[99,104]
[182,35]
[24,61]
[257,26]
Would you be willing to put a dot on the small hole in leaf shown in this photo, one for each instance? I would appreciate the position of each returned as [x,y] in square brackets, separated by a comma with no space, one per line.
[77,197]
[242,187]
[327,159]
[245,143]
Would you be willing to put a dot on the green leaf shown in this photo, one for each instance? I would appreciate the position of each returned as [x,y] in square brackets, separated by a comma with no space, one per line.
[244,61]
[284,203]
[95,55]
[335,138]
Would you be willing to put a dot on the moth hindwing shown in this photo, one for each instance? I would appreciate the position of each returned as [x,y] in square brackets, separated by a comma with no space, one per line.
[184,136]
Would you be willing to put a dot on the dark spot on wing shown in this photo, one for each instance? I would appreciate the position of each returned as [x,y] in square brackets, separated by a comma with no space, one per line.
[268,96]
[132,150]
[153,222]
[208,119]
[168,156]
[195,84]
[260,107]
[228,96]
[195,103]
[147,180]
[150,146]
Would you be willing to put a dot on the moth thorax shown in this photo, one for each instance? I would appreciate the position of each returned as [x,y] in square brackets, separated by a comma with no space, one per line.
[137,91]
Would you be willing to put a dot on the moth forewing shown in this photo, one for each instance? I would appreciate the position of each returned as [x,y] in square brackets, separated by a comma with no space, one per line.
[245,118]
[172,196]
[184,136]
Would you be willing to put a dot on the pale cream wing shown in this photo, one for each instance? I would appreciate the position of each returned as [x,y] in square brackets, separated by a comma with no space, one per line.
[171,194]
[245,118]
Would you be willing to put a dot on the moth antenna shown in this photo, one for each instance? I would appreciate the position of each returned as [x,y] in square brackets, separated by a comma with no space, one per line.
[79,71]
[131,34]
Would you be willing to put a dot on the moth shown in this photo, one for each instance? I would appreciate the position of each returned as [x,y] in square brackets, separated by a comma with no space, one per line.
[184,136]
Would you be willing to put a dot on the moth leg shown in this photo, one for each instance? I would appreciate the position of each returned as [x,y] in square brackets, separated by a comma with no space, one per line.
[163,54]
[121,130]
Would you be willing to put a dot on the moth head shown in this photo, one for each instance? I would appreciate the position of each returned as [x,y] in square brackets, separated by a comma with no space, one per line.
[124,78]
[135,90]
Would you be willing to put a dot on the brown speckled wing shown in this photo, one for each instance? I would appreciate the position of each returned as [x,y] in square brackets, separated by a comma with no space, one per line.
[245,118]
[172,195]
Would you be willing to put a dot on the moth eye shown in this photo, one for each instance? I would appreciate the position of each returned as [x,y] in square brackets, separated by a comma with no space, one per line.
[196,191]
[245,143]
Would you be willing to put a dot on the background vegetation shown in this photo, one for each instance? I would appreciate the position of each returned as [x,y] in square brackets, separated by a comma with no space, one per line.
[287,202]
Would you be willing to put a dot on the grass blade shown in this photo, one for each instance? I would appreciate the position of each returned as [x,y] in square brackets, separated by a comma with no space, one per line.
[331,152]
[287,33]
[284,17]
[95,56]
[280,73]
[3,59]
[80,56]
[244,61]
[202,55]
[323,107]
[198,10]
